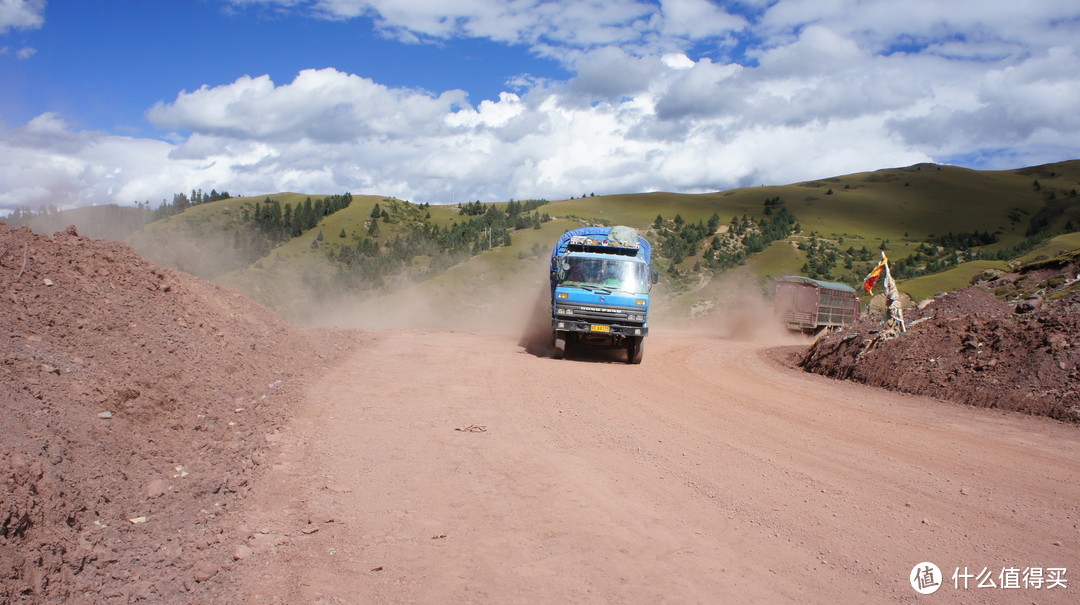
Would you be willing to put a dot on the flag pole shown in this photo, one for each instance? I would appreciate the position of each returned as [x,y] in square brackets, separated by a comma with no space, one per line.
[892,297]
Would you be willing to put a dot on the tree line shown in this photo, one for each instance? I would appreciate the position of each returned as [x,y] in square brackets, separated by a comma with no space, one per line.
[181,202]
[371,261]
[270,223]
[745,236]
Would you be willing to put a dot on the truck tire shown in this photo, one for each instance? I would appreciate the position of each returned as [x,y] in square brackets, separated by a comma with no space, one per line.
[558,345]
[635,350]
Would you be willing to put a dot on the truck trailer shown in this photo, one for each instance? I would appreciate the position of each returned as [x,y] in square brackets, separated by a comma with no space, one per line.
[811,305]
[600,283]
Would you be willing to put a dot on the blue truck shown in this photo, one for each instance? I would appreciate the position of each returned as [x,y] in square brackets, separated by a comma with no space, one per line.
[600,283]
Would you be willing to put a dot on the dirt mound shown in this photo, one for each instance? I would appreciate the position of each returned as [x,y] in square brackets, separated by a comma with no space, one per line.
[971,347]
[135,407]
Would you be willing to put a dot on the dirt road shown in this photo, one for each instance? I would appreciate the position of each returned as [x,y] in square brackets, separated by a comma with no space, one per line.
[441,467]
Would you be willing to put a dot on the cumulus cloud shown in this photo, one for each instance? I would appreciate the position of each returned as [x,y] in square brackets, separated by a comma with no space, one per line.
[322,105]
[698,19]
[21,14]
[821,87]
[47,162]
[1015,105]
[983,30]
[547,24]
[610,73]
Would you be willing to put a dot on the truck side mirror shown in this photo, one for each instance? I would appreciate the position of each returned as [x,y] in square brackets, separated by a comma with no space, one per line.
[654,277]
[556,275]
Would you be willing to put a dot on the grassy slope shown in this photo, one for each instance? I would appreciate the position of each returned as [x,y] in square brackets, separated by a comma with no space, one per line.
[903,205]
[200,239]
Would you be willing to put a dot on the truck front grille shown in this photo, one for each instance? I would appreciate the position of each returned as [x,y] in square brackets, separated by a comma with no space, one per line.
[600,314]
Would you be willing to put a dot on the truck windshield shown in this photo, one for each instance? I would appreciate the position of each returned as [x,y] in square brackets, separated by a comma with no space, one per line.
[610,274]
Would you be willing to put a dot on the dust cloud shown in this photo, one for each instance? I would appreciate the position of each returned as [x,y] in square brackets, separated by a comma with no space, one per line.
[742,312]
[478,296]
[206,257]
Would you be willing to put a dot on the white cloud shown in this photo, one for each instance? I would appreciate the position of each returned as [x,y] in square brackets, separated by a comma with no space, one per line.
[544,24]
[46,162]
[1015,105]
[21,14]
[610,73]
[828,87]
[324,105]
[697,19]
[984,29]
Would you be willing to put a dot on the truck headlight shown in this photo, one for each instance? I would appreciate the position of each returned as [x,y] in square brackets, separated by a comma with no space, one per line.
[640,302]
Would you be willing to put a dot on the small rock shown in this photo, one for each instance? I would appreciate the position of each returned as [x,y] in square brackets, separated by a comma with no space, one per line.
[309,530]
[204,570]
[137,520]
[157,488]
[242,552]
[47,281]
[105,415]
[1032,303]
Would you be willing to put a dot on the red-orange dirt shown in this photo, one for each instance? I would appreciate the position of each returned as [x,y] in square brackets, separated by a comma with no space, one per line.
[194,378]
[262,463]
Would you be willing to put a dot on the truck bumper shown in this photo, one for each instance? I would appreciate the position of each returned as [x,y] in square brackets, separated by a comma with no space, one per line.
[564,325]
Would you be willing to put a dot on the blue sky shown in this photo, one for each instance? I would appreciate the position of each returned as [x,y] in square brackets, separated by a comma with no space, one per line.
[434,100]
[102,64]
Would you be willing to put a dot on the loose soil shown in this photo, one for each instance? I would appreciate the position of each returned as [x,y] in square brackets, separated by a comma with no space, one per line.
[972,347]
[135,405]
[247,460]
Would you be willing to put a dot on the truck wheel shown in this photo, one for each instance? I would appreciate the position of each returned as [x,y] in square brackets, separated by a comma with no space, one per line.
[635,350]
[558,346]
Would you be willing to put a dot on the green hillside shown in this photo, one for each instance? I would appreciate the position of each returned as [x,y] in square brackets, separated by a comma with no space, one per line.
[377,259]
[909,211]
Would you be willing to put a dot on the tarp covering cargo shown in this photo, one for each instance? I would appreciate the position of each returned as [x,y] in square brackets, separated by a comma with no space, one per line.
[608,240]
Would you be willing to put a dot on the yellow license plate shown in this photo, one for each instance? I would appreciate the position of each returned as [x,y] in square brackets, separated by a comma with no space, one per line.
[600,328]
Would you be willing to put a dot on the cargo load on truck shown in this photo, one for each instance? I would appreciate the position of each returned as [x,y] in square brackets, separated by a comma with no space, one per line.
[811,305]
[600,283]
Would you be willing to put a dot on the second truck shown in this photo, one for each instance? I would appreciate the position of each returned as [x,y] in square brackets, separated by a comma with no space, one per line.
[600,283]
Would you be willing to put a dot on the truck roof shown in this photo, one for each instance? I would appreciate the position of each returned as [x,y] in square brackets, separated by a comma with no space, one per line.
[599,240]
[830,285]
